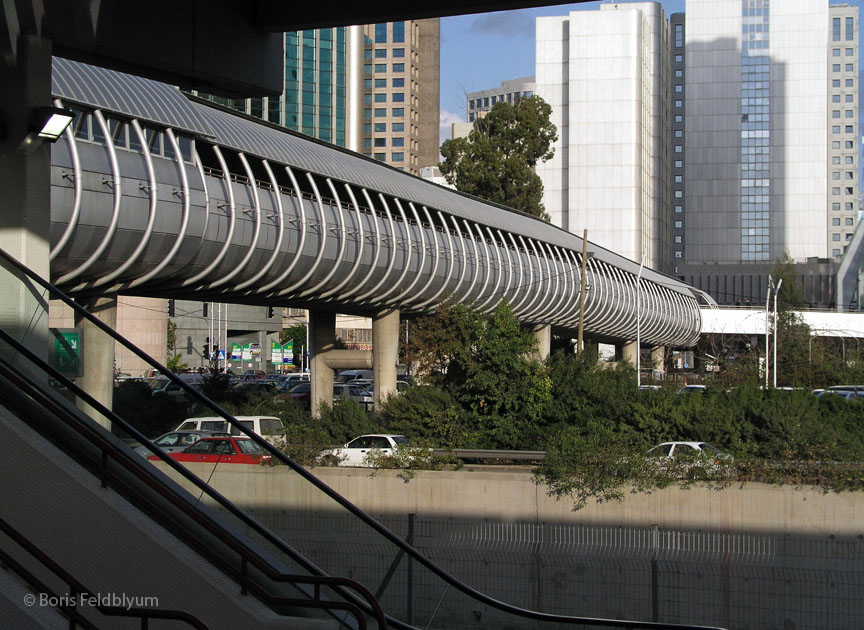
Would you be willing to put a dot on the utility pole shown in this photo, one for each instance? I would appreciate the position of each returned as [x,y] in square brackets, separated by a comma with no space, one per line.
[776,292]
[638,321]
[767,331]
[581,344]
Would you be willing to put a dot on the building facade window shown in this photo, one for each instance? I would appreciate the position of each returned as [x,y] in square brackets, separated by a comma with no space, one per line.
[381,33]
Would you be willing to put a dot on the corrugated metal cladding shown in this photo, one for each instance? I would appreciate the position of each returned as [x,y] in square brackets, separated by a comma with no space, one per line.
[150,100]
[113,91]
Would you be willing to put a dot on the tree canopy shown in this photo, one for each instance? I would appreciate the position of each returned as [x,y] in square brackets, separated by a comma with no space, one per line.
[481,362]
[496,161]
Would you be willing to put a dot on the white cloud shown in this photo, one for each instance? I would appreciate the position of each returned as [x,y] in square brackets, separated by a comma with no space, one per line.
[505,23]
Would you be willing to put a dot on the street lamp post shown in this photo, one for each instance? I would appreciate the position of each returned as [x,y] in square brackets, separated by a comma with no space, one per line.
[639,321]
[580,344]
[776,292]
[767,331]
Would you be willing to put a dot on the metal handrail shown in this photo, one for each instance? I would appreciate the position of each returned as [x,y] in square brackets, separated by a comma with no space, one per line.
[390,536]
[130,464]
[80,590]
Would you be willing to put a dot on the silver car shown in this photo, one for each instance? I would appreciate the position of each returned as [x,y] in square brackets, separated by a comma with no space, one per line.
[350,391]
[174,441]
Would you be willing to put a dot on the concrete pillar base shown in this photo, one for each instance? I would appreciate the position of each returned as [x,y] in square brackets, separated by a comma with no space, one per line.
[385,355]
[97,356]
[628,352]
[322,336]
[543,334]
[658,359]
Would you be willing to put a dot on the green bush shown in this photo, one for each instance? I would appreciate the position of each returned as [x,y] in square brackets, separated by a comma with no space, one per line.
[152,414]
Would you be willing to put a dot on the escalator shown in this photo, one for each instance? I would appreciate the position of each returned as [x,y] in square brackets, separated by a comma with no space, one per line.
[107,517]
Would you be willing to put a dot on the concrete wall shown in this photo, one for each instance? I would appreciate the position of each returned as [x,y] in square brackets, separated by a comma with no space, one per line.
[746,557]
[511,495]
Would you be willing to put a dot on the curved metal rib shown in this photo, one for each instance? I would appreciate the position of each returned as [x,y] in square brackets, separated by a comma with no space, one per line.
[184,225]
[437,256]
[241,266]
[343,240]
[322,241]
[232,209]
[76,203]
[361,242]
[115,215]
[151,219]
[450,266]
[408,248]
[280,235]
[298,198]
[392,258]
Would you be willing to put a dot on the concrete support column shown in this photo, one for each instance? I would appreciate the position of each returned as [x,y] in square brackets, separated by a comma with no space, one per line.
[322,335]
[385,354]
[658,358]
[25,182]
[97,356]
[628,352]
[543,334]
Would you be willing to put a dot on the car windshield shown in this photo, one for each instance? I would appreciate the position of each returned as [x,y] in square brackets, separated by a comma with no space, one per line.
[270,425]
[246,424]
[663,449]
[170,439]
[156,383]
[214,426]
[710,448]
[247,446]
[401,439]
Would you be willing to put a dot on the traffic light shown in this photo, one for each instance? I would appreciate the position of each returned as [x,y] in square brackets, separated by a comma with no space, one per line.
[206,352]
[171,308]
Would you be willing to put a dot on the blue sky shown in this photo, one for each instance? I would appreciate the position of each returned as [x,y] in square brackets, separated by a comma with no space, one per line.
[479,51]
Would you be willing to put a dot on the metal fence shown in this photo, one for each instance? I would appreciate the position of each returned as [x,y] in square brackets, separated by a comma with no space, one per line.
[740,581]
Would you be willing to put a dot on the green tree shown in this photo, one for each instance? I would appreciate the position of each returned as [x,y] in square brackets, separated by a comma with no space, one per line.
[297,334]
[482,361]
[496,162]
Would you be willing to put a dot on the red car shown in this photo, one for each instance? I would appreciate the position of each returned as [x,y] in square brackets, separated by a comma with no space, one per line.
[222,450]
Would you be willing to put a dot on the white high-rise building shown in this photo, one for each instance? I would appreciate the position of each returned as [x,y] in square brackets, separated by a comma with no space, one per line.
[771,151]
[757,110]
[605,74]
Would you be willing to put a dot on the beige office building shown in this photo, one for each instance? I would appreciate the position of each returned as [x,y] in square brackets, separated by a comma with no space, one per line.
[401,88]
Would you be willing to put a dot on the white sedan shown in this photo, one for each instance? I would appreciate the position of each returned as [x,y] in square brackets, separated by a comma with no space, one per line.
[357,451]
[692,459]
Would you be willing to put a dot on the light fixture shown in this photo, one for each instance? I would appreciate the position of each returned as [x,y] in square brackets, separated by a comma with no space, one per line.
[49,123]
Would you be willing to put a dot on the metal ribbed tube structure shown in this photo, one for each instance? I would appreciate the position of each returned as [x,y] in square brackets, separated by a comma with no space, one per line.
[213,210]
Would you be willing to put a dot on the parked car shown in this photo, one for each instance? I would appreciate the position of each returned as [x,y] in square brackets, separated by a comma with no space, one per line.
[222,450]
[356,452]
[401,386]
[692,459]
[300,393]
[174,441]
[287,379]
[350,391]
[846,394]
[163,385]
[350,375]
[265,426]
[692,389]
[255,388]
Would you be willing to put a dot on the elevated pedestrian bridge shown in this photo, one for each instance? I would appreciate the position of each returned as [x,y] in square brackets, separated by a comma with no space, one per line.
[158,193]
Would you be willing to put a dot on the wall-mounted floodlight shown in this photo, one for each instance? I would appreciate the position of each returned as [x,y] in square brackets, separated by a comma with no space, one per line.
[49,123]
